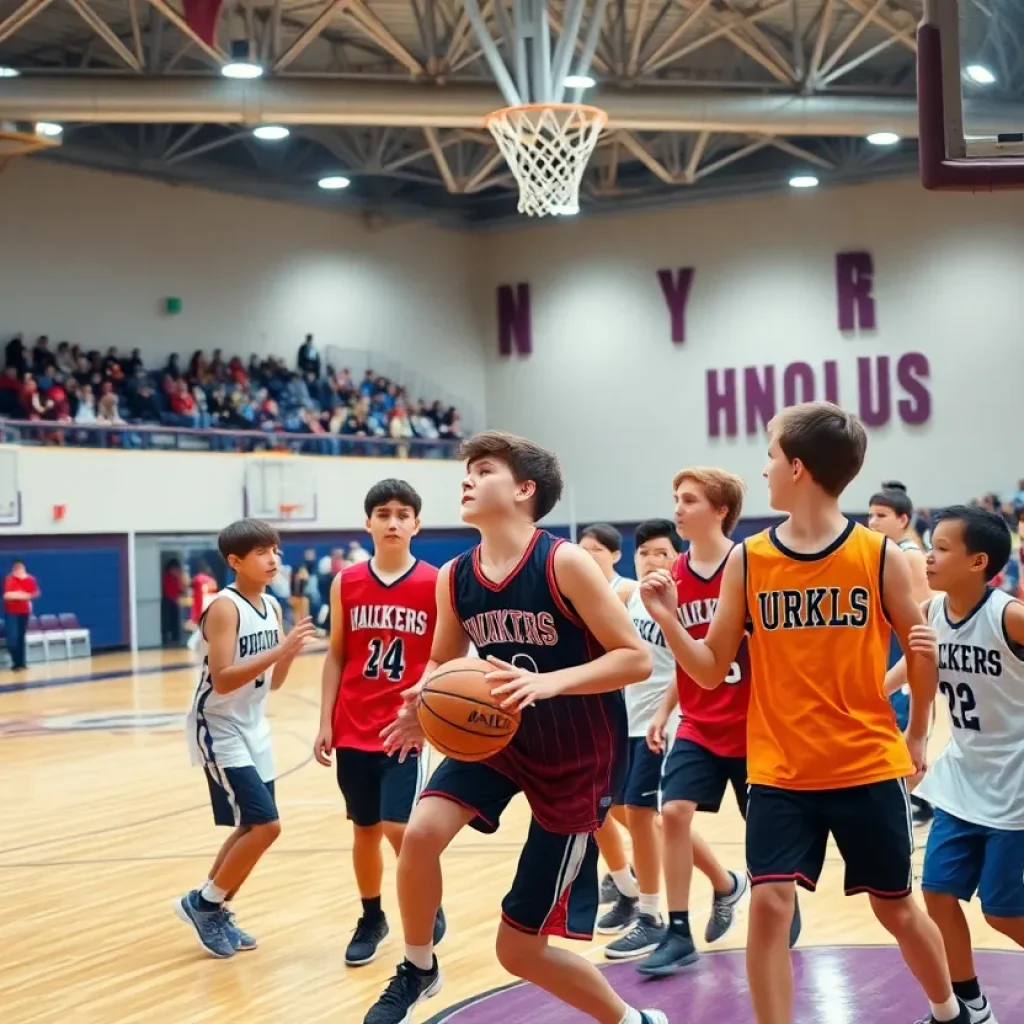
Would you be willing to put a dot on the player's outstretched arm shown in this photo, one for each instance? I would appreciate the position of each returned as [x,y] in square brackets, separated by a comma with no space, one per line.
[922,669]
[221,632]
[450,642]
[330,679]
[706,661]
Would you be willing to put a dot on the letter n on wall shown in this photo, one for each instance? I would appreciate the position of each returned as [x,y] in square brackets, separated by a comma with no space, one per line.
[855,283]
[515,329]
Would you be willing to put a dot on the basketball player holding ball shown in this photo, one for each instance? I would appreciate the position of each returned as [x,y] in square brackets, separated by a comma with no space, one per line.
[562,647]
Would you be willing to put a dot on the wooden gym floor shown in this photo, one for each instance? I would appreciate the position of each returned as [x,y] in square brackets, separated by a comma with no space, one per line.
[105,823]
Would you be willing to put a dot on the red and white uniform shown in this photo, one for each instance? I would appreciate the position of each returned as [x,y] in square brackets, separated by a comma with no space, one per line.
[714,719]
[389,628]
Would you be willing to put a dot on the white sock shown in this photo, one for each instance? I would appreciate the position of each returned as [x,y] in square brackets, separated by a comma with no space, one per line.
[650,903]
[631,1016]
[949,1010]
[213,893]
[420,956]
[625,883]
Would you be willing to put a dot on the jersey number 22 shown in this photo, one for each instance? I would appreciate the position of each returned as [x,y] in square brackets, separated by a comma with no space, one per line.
[390,660]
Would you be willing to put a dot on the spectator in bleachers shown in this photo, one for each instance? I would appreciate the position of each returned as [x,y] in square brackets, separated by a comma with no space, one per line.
[20,590]
[309,358]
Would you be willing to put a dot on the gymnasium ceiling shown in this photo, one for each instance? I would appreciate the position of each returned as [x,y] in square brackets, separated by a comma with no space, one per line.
[707,97]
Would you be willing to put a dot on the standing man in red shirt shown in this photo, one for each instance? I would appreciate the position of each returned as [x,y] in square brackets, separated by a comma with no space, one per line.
[710,751]
[20,590]
[383,612]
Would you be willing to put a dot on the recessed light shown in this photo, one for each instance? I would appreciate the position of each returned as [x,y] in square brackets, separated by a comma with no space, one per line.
[334,181]
[241,69]
[271,132]
[6,72]
[579,82]
[803,181]
[979,74]
[883,138]
[49,129]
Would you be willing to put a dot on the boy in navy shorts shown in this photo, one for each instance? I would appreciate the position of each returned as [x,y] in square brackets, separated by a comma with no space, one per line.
[562,647]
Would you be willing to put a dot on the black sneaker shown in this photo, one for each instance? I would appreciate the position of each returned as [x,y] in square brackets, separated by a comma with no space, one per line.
[369,934]
[406,990]
[644,937]
[796,924]
[673,954]
[440,925]
[723,909]
[620,917]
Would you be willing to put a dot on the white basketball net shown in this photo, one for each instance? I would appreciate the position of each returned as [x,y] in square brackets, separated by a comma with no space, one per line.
[547,148]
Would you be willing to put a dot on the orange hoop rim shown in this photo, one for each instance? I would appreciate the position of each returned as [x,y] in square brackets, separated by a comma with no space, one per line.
[591,111]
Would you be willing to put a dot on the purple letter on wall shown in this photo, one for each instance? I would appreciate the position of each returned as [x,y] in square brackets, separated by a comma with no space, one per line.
[855,278]
[875,394]
[721,399]
[911,373]
[676,288]
[759,397]
[514,326]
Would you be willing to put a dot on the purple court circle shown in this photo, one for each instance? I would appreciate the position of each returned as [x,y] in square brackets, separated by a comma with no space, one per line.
[834,985]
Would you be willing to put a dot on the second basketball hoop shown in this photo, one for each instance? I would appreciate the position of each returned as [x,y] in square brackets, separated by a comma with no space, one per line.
[547,147]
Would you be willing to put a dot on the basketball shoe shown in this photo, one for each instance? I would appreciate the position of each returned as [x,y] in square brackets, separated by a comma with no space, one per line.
[405,991]
[210,926]
[723,909]
[240,938]
[964,1017]
[644,937]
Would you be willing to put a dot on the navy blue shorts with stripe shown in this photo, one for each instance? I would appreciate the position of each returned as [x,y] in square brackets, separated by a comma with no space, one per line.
[240,797]
[555,889]
[641,782]
[378,787]
[788,830]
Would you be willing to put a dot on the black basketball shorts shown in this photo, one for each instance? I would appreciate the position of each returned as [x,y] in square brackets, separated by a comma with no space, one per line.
[377,787]
[698,775]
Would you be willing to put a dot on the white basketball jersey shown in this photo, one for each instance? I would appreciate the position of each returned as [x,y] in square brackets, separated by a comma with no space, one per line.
[644,699]
[979,776]
[230,730]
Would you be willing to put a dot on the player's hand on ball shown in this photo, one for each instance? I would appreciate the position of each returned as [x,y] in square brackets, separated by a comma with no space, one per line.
[658,593]
[324,745]
[302,633]
[519,688]
[924,640]
[404,734]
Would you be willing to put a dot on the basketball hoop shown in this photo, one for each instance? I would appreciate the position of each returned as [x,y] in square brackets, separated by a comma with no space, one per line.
[547,147]
[285,512]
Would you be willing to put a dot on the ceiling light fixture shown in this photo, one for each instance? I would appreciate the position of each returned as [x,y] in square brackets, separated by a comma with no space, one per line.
[883,138]
[803,181]
[271,132]
[979,74]
[334,181]
[579,82]
[48,129]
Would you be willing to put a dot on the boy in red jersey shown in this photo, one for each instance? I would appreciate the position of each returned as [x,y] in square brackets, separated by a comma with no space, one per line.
[710,752]
[563,647]
[382,624]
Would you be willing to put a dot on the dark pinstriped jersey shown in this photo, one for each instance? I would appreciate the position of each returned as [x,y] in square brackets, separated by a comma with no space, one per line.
[568,749]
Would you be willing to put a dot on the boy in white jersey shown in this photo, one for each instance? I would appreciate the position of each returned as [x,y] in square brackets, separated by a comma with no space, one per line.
[657,547]
[228,731]
[976,843]
[604,545]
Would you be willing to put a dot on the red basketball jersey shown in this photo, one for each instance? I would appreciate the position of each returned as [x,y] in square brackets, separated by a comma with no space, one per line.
[715,719]
[388,632]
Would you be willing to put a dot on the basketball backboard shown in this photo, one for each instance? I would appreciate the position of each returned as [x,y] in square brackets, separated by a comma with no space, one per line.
[969,76]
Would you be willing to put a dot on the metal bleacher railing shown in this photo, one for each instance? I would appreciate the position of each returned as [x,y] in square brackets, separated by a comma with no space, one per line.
[148,436]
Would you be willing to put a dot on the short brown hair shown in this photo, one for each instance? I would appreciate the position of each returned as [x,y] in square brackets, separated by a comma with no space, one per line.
[829,441]
[244,536]
[722,489]
[526,460]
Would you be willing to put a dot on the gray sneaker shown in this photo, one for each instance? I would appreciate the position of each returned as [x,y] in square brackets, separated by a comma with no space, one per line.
[723,909]
[209,925]
[609,890]
[644,937]
[620,917]
[652,1017]
[675,952]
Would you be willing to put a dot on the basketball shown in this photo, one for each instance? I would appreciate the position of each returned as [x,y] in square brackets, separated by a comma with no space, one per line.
[459,716]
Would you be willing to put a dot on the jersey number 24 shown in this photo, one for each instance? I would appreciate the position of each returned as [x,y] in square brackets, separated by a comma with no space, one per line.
[389,661]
